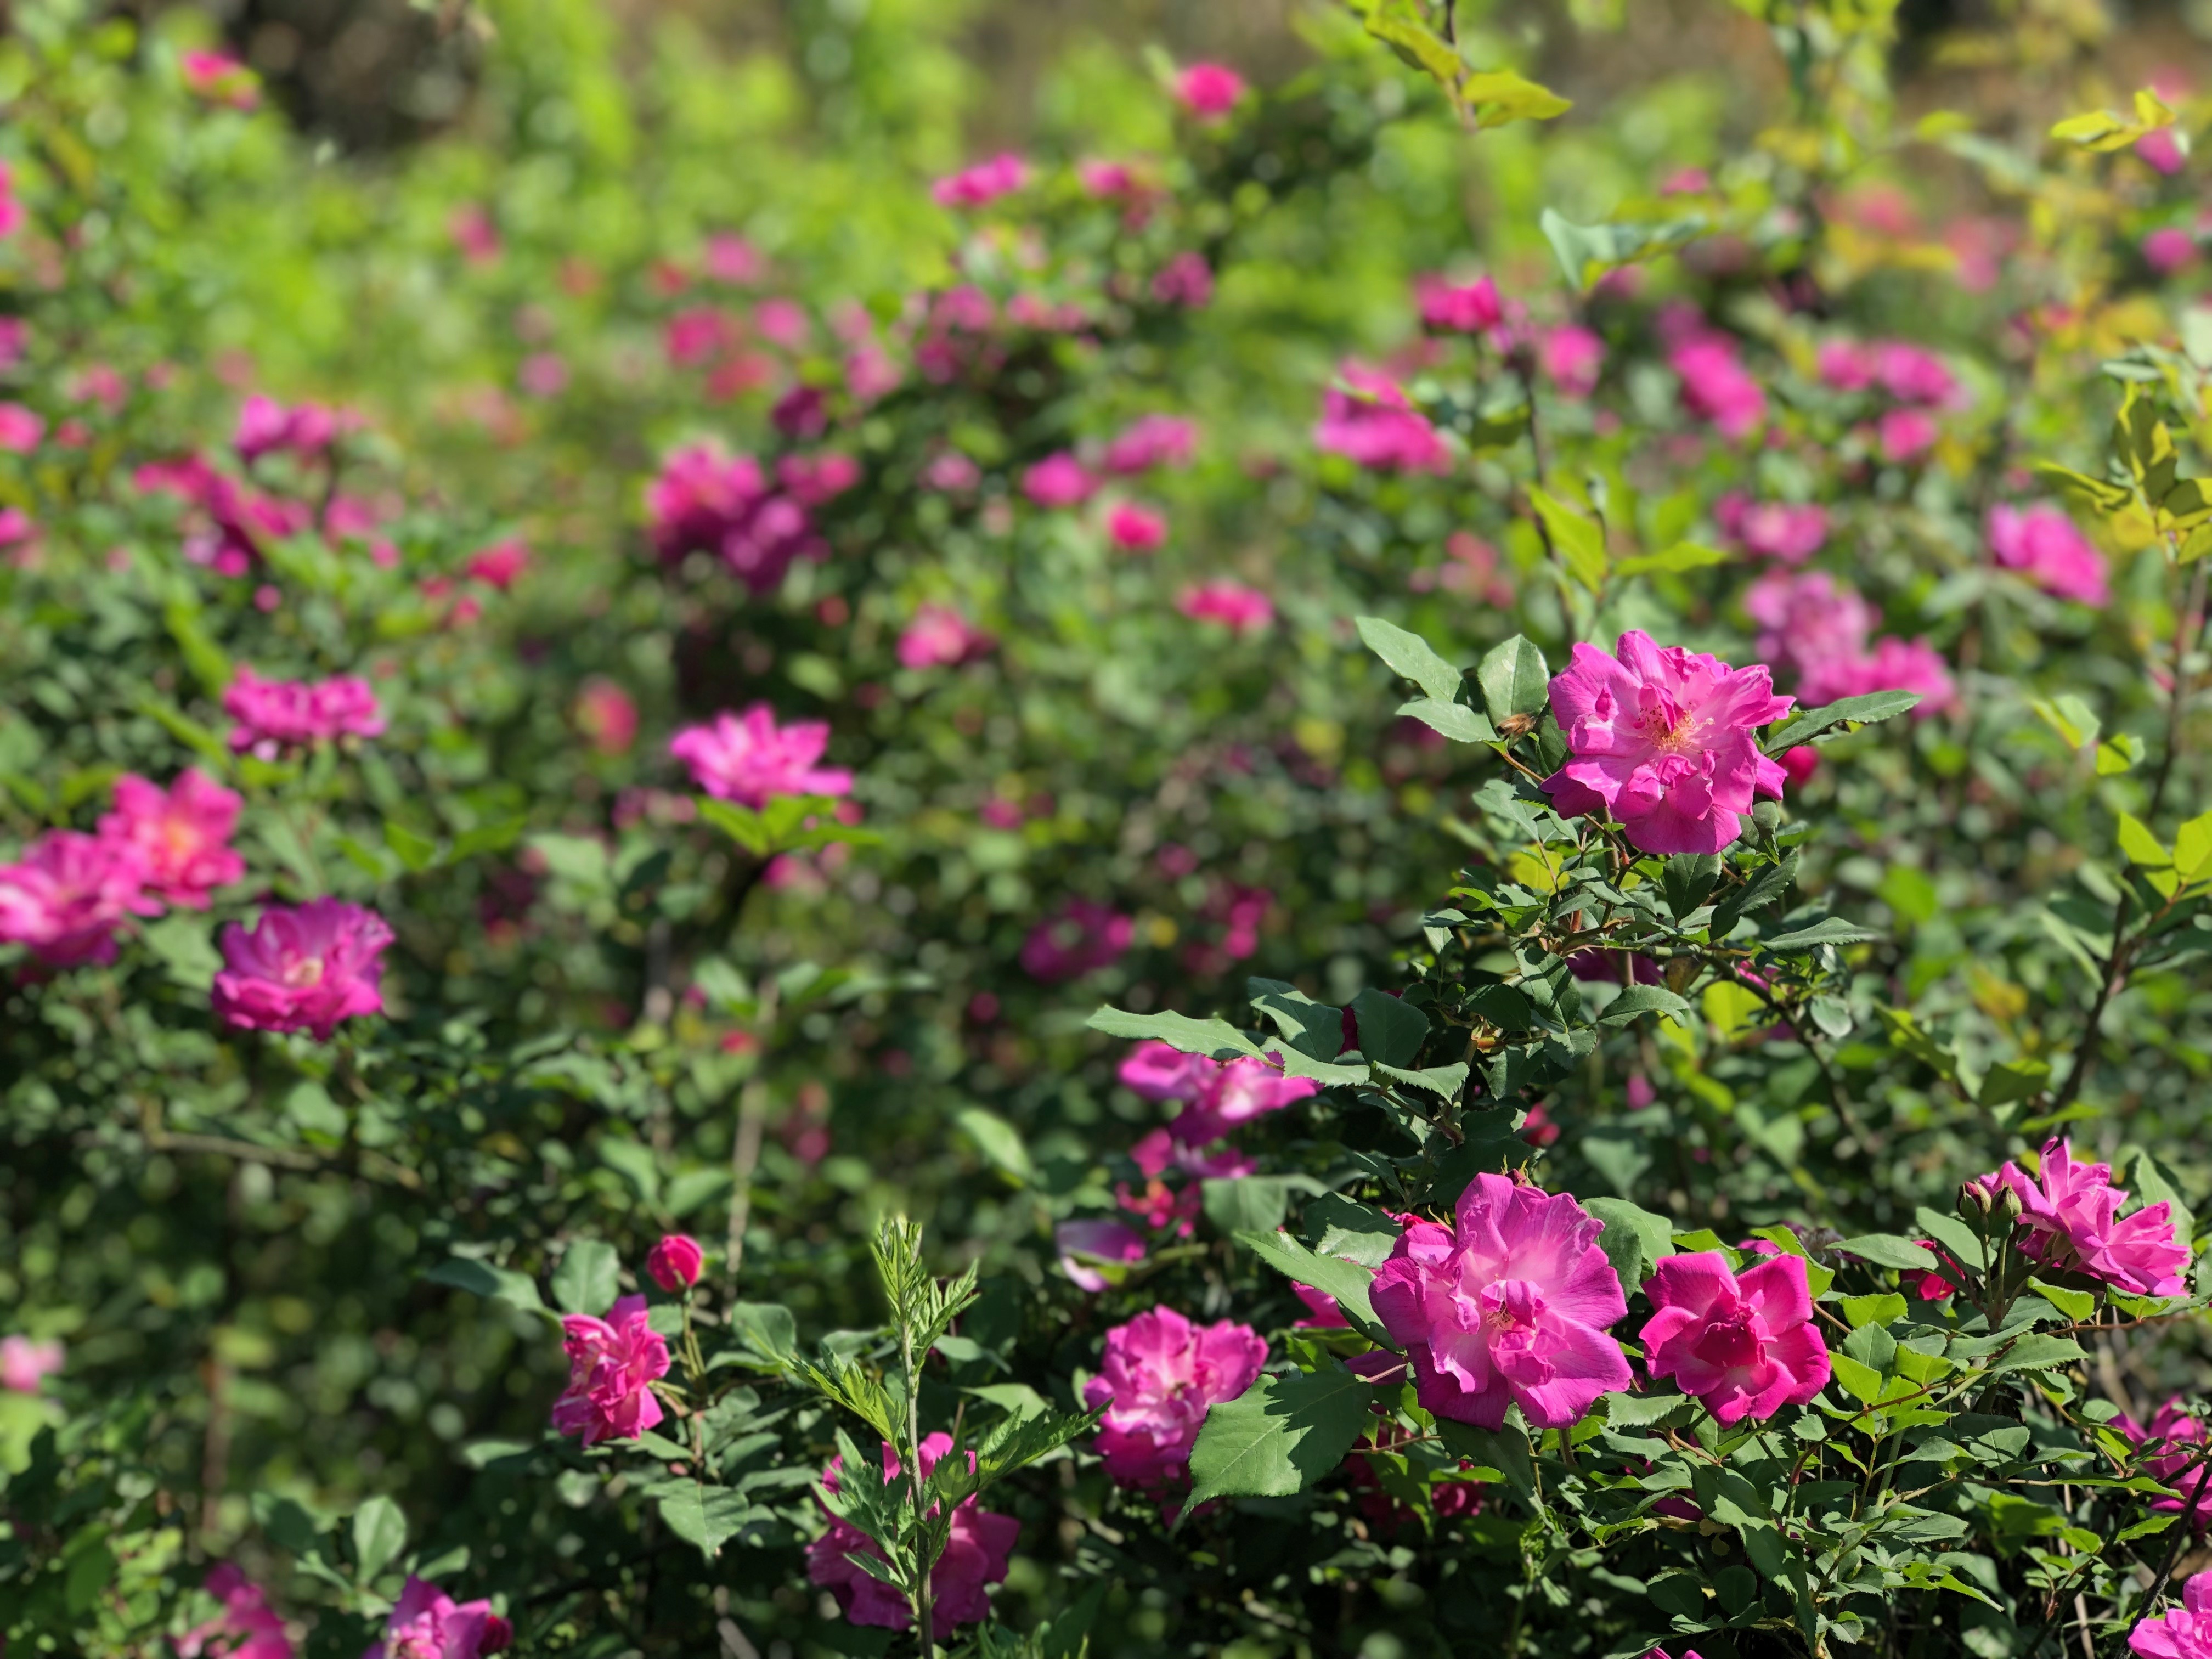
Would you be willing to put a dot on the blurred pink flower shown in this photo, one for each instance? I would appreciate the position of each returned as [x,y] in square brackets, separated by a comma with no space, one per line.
[1152,441]
[501,565]
[1368,419]
[1209,91]
[1232,1093]
[1243,609]
[273,715]
[266,427]
[25,1364]
[20,428]
[976,1556]
[985,182]
[1108,1242]
[1159,1071]
[1156,1379]
[474,233]
[1912,374]
[219,78]
[940,636]
[429,1623]
[1324,1312]
[1083,936]
[1508,1306]
[708,500]
[1570,358]
[1059,480]
[303,967]
[1787,531]
[1717,387]
[1134,528]
[1845,365]
[606,716]
[2165,250]
[1904,434]
[748,759]
[730,259]
[1186,280]
[674,1261]
[181,836]
[12,213]
[2045,545]
[1458,307]
[69,894]
[2070,1213]
[612,1365]
[246,1628]
[1743,1343]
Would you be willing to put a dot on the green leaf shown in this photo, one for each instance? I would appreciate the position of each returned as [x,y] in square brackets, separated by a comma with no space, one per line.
[2014,1080]
[2139,845]
[2075,1305]
[1504,1449]
[1214,1038]
[1890,1250]
[1634,1239]
[998,1140]
[379,1533]
[486,838]
[481,1278]
[1515,680]
[1410,656]
[1882,1309]
[1955,1236]
[1644,999]
[1345,1280]
[2192,848]
[1280,1437]
[1500,97]
[2039,1352]
[2073,719]
[1829,930]
[1865,710]
[766,1328]
[1391,1029]
[415,852]
[1357,1232]
[1315,1030]
[1455,720]
[1683,556]
[1579,541]
[704,1516]
[585,1281]
[1586,252]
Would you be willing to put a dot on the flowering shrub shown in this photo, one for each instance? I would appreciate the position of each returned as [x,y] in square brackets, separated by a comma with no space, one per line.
[1524,895]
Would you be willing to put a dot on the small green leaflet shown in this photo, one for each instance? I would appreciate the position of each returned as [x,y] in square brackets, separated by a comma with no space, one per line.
[1865,710]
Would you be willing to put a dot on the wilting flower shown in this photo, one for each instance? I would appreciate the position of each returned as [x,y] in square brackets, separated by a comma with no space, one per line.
[274,714]
[182,837]
[986,181]
[974,1556]
[1508,1306]
[69,894]
[938,636]
[1458,307]
[429,1623]
[302,969]
[1244,610]
[606,715]
[1570,357]
[1369,420]
[1136,528]
[1786,531]
[1743,1343]
[1715,385]
[25,1364]
[2070,1213]
[1209,91]
[748,759]
[1059,480]
[1152,441]
[1160,1374]
[612,1365]
[2182,1633]
[2046,546]
[1085,935]
[674,1262]
[1088,1249]
[246,1628]
[2173,1443]
[1663,740]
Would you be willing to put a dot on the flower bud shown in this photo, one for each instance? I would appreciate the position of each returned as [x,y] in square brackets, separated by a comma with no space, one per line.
[2008,1205]
[498,1635]
[674,1262]
[1973,1202]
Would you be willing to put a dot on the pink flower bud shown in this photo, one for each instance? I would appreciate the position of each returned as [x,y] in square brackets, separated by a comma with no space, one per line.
[674,1262]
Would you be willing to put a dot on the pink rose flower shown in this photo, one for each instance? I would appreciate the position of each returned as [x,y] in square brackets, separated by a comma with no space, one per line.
[1230,1094]
[748,759]
[1323,1311]
[2070,1213]
[1243,609]
[67,895]
[708,501]
[1664,740]
[1894,664]
[1209,91]
[501,565]
[1159,1071]
[1570,358]
[2182,1633]
[940,636]
[1715,386]
[2172,1443]
[20,428]
[1912,375]
[1152,441]
[674,1262]
[1186,280]
[246,1628]
[1508,1306]
[2167,250]
[302,969]
[1085,935]
[219,78]
[1159,1376]
[1801,763]
[1458,307]
[25,1364]
[1059,480]
[974,1556]
[1774,529]
[983,183]
[1845,365]
[1136,528]
[1904,434]
[1102,1241]
[429,1623]
[730,259]
[612,1365]
[274,714]
[1369,421]
[181,838]
[1743,1343]
[607,716]
[2045,545]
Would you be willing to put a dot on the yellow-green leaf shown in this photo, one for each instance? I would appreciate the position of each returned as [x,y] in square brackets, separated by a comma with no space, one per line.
[1500,97]
[2140,846]
[1683,556]
[1579,541]
[2192,848]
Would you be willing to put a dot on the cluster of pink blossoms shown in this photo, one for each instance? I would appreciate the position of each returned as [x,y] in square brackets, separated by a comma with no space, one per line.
[1082,937]
[2048,548]
[266,427]
[274,716]
[1159,1376]
[426,1623]
[974,1556]
[302,969]
[748,758]
[1913,382]
[2173,1443]
[1242,610]
[1715,386]
[940,637]
[706,501]
[2070,1216]
[1822,628]
[1784,531]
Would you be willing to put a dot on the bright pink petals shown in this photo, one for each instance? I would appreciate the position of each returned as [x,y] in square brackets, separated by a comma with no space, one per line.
[674,1262]
[1452,307]
[1785,531]
[1209,91]
[1368,419]
[216,77]
[246,1628]
[182,837]
[1743,1343]
[1136,528]
[1160,1374]
[25,1365]
[1572,358]
[1152,441]
[2182,1633]
[1059,480]
[1717,387]
[940,637]
[69,895]
[2171,1446]
[2070,1213]
[277,715]
[1508,1306]
[748,758]
[974,1556]
[612,1365]
[1242,609]
[302,969]
[985,182]
[429,1623]
[1665,740]
[706,501]
[2045,545]
[1085,935]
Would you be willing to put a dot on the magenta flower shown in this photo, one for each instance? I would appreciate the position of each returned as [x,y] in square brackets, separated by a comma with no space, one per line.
[974,1556]
[500,565]
[940,637]
[1458,307]
[1914,376]
[2167,250]
[1369,420]
[1085,935]
[1090,1249]
[1904,434]
[1136,528]
[1152,441]
[1059,480]
[1665,741]
[1323,1311]
[25,1365]
[1209,91]
[1845,365]
[2070,1213]
[1231,1095]
[1186,280]
[1159,1071]
[246,1628]
[182,837]
[219,78]
[748,758]
[69,894]
[607,716]
[2046,546]
[1570,357]
[705,500]
[302,969]
[276,715]
[1715,386]
[985,182]
[1743,1343]
[265,426]
[1243,609]
[1894,664]
[2161,150]
[20,428]
[1774,529]
[2182,1633]
[429,1623]
[674,1262]
[1159,1376]
[2172,1444]
[612,1365]
[1508,1306]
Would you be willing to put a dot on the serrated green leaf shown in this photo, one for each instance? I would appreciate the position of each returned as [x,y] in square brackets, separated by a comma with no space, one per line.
[1410,656]
[1865,710]
[1279,1437]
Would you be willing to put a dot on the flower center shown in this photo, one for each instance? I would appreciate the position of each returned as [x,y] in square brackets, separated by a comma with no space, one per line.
[1729,1340]
[303,973]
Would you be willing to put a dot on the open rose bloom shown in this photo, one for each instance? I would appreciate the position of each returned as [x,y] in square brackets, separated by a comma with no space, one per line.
[612,1365]
[2182,1633]
[2070,1215]
[2172,1444]
[302,969]
[69,895]
[180,835]
[748,758]
[974,1557]
[1160,1374]
[429,1623]
[1743,1343]
[1664,740]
